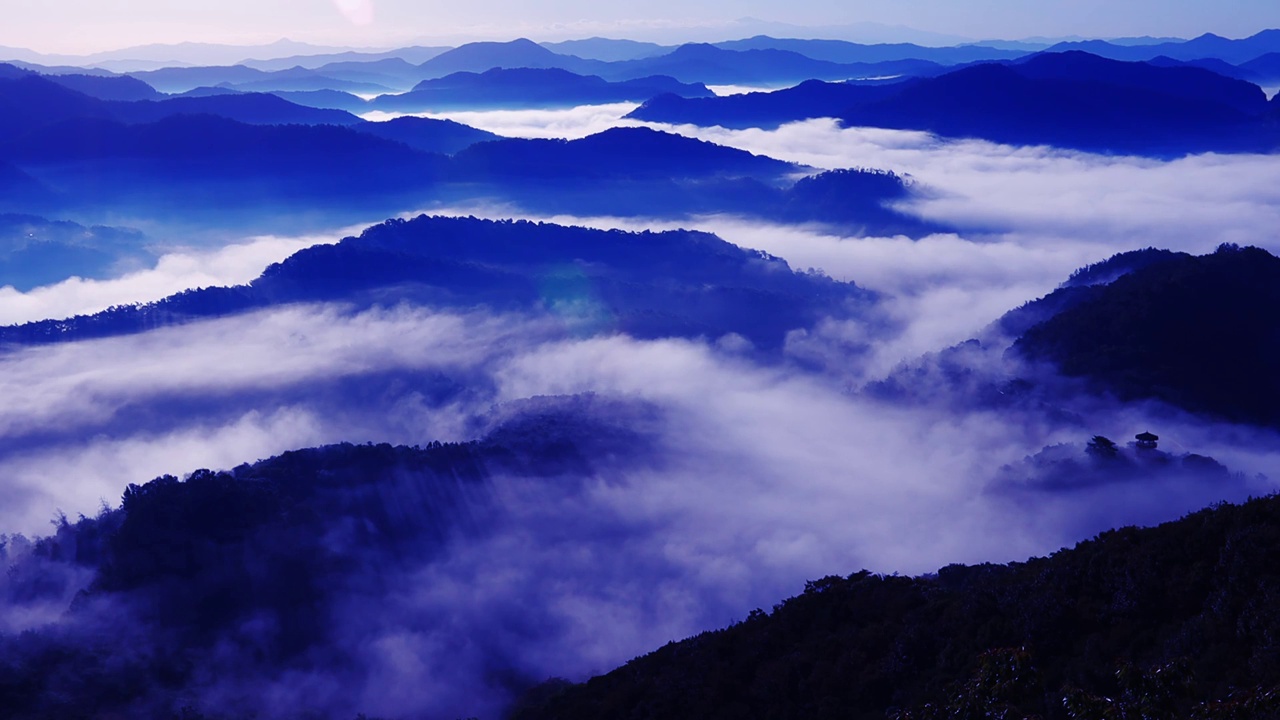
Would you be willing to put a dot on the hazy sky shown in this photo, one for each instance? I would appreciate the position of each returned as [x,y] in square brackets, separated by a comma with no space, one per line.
[77,26]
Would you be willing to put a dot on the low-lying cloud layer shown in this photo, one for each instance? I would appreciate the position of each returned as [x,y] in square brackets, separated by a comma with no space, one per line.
[767,475]
[175,271]
[568,123]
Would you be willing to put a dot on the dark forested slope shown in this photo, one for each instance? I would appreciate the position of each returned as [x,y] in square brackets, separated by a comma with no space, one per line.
[199,593]
[1201,333]
[678,283]
[1195,594]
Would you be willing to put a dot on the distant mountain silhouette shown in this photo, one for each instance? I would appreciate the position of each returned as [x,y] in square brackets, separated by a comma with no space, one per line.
[21,192]
[428,134]
[240,77]
[679,283]
[249,108]
[413,55]
[119,87]
[1067,100]
[1221,67]
[30,101]
[842,51]
[698,62]
[146,156]
[1265,68]
[35,251]
[325,99]
[606,49]
[1200,333]
[1208,45]
[1072,99]
[645,173]
[629,152]
[207,91]
[395,72]
[244,174]
[809,99]
[1188,83]
[282,82]
[529,88]
[521,53]
[689,63]
[9,71]
[181,79]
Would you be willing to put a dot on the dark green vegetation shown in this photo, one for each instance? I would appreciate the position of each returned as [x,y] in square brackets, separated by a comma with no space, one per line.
[1200,333]
[1198,595]
[677,283]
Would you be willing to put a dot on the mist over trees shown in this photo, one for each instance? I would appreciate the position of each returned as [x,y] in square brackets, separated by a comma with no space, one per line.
[504,454]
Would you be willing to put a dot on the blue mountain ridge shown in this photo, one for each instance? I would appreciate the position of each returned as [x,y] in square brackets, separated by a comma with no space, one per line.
[668,284]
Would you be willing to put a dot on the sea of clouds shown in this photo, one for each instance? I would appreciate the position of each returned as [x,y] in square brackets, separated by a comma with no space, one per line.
[768,475]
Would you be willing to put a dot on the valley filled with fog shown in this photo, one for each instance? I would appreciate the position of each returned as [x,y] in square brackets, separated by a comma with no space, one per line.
[577,388]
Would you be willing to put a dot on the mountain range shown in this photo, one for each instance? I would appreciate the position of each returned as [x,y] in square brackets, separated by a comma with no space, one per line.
[250,151]
[1172,616]
[580,443]
[671,284]
[529,88]
[1157,332]
[1069,99]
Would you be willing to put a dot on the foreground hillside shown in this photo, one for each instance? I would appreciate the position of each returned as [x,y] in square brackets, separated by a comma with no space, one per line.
[223,592]
[1195,595]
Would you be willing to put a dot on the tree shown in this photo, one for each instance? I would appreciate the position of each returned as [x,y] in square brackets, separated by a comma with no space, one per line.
[1102,448]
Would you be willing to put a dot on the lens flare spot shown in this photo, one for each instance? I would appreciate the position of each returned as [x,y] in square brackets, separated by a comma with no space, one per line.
[359,12]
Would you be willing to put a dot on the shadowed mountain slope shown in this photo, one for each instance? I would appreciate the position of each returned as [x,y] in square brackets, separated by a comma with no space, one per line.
[1071,100]
[646,173]
[1193,593]
[262,571]
[1188,83]
[148,157]
[678,283]
[1005,104]
[809,99]
[120,88]
[1208,45]
[529,87]
[521,53]
[841,51]
[428,134]
[35,251]
[1201,333]
[698,62]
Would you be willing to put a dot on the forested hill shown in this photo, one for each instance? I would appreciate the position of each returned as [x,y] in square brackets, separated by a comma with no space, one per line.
[1201,333]
[197,592]
[665,284]
[1157,619]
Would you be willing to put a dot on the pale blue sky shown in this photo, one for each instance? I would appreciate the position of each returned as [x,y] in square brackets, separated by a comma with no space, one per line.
[91,25]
